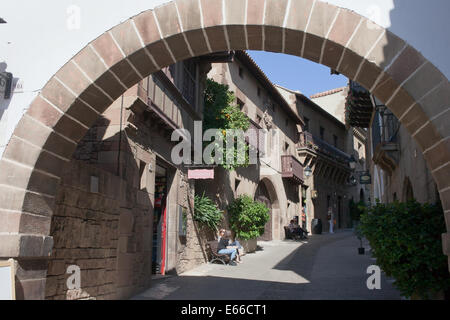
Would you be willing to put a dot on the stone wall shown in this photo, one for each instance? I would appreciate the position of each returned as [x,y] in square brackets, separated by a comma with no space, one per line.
[108,233]
[85,230]
[191,248]
[411,166]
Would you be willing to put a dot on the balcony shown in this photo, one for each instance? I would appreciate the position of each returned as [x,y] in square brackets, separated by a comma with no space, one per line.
[359,106]
[386,155]
[291,169]
[316,145]
[386,152]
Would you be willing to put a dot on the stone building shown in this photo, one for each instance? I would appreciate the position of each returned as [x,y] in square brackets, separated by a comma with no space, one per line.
[326,148]
[110,218]
[396,163]
[335,102]
[69,70]
[278,174]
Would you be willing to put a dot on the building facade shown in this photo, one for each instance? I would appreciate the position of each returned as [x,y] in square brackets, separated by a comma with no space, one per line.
[397,165]
[326,147]
[123,209]
[277,176]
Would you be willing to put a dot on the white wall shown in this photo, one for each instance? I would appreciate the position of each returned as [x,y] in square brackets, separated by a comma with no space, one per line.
[36,40]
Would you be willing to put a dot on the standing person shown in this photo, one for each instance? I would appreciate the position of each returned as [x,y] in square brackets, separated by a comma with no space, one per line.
[224,248]
[303,219]
[330,218]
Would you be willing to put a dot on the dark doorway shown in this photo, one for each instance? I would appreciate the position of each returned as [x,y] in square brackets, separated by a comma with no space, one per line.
[408,190]
[159,218]
[262,195]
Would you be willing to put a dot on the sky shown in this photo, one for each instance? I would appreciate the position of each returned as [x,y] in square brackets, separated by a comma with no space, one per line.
[297,73]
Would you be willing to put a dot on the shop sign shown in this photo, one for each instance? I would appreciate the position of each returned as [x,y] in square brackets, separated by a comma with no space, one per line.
[365,178]
[200,174]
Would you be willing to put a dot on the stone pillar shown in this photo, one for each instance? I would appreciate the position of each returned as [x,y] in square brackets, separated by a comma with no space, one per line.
[30,253]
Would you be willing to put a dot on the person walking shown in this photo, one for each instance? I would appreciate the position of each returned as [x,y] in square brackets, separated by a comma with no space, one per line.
[330,218]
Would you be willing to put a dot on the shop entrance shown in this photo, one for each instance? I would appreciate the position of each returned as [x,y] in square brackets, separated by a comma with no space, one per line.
[159,220]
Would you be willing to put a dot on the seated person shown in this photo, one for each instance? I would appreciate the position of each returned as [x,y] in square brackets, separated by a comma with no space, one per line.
[296,229]
[234,244]
[225,248]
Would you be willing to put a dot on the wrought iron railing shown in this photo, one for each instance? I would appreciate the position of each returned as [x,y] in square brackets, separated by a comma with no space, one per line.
[307,140]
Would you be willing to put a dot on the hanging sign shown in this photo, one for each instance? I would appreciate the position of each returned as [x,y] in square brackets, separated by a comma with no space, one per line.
[365,178]
[200,174]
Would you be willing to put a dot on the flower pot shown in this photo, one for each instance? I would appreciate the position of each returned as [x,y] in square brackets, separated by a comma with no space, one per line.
[361,250]
[248,245]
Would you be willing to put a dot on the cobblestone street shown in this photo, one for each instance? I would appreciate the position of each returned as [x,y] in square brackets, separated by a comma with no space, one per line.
[326,267]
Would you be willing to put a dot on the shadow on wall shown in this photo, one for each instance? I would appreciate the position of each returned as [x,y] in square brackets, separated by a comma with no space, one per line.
[107,231]
[4,103]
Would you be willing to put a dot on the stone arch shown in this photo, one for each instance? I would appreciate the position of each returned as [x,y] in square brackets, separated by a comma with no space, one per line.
[71,101]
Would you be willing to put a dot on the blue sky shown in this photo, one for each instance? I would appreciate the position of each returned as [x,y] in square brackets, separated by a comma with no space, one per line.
[296,73]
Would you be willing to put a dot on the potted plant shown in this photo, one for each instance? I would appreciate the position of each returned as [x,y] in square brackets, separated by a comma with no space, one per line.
[247,220]
[359,235]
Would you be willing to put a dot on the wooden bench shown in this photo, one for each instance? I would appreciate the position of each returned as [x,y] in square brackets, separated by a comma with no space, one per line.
[294,236]
[212,247]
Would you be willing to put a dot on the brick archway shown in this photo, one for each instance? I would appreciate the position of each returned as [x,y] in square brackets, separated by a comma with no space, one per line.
[45,138]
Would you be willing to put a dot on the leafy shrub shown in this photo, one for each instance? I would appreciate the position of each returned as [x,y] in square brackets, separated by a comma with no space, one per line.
[248,217]
[206,212]
[406,241]
[222,113]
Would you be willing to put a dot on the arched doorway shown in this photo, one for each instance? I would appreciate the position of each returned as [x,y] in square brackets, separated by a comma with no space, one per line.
[408,192]
[73,99]
[262,195]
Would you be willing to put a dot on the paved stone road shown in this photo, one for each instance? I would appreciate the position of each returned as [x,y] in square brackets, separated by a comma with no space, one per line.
[326,267]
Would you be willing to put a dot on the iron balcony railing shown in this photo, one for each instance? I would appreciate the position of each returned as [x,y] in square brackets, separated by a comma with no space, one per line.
[307,140]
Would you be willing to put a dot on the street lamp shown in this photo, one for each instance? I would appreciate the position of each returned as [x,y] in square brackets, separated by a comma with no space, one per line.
[308,172]
[352,162]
